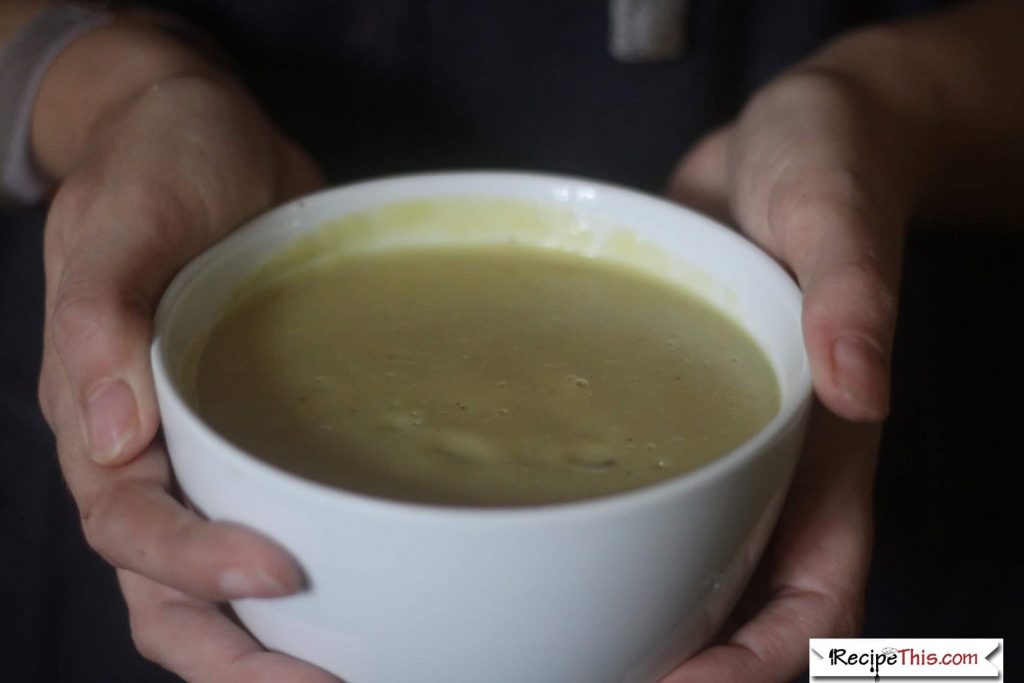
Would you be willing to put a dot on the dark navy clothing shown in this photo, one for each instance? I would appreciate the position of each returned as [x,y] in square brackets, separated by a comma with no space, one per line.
[376,87]
[379,86]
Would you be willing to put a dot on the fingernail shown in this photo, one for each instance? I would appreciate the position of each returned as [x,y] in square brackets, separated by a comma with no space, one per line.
[861,373]
[112,419]
[249,583]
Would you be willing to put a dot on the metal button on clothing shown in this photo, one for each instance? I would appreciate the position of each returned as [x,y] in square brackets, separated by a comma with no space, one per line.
[647,30]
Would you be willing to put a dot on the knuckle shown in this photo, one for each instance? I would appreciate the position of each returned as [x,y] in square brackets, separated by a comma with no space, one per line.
[79,317]
[121,524]
[83,210]
[874,286]
[860,286]
[90,517]
[101,523]
[92,317]
[833,197]
[170,212]
[814,84]
[74,199]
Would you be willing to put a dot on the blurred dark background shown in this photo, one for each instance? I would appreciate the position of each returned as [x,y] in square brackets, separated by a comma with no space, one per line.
[397,85]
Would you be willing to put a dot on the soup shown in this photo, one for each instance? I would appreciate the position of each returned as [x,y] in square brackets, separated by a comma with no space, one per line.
[482,375]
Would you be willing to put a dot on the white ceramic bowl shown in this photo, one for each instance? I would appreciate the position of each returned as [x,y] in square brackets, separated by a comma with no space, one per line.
[615,589]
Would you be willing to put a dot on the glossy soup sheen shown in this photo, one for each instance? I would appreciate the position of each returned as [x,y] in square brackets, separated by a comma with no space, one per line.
[481,375]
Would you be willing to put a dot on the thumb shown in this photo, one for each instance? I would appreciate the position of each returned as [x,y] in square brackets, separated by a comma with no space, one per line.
[106,265]
[820,176]
[839,238]
[845,251]
[850,281]
[100,333]
[109,255]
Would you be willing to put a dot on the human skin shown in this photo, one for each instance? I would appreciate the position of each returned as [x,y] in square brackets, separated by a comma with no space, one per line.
[160,154]
[823,168]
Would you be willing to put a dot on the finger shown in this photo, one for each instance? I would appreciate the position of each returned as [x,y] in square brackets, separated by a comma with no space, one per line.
[130,518]
[812,179]
[135,524]
[198,642]
[824,536]
[102,337]
[820,225]
[849,274]
[113,254]
[772,647]
[701,179]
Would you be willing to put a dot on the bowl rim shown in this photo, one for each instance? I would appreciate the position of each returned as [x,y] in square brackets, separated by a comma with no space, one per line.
[792,412]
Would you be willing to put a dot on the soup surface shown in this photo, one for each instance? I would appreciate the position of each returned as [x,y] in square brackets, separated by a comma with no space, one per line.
[480,375]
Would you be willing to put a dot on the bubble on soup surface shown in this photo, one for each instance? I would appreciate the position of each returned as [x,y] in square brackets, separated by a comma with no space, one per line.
[461,446]
[591,456]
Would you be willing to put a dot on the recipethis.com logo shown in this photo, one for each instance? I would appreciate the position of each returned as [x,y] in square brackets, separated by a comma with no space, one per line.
[923,659]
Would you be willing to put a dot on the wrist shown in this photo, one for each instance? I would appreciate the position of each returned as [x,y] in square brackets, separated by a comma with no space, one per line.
[95,77]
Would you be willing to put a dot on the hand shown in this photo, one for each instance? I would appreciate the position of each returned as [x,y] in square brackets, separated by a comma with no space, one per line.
[164,173]
[811,580]
[814,171]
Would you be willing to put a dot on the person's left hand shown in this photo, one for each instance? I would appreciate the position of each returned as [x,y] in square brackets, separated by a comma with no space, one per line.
[814,172]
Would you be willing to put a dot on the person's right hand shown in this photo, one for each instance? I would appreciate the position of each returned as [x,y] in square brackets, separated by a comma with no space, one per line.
[167,170]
